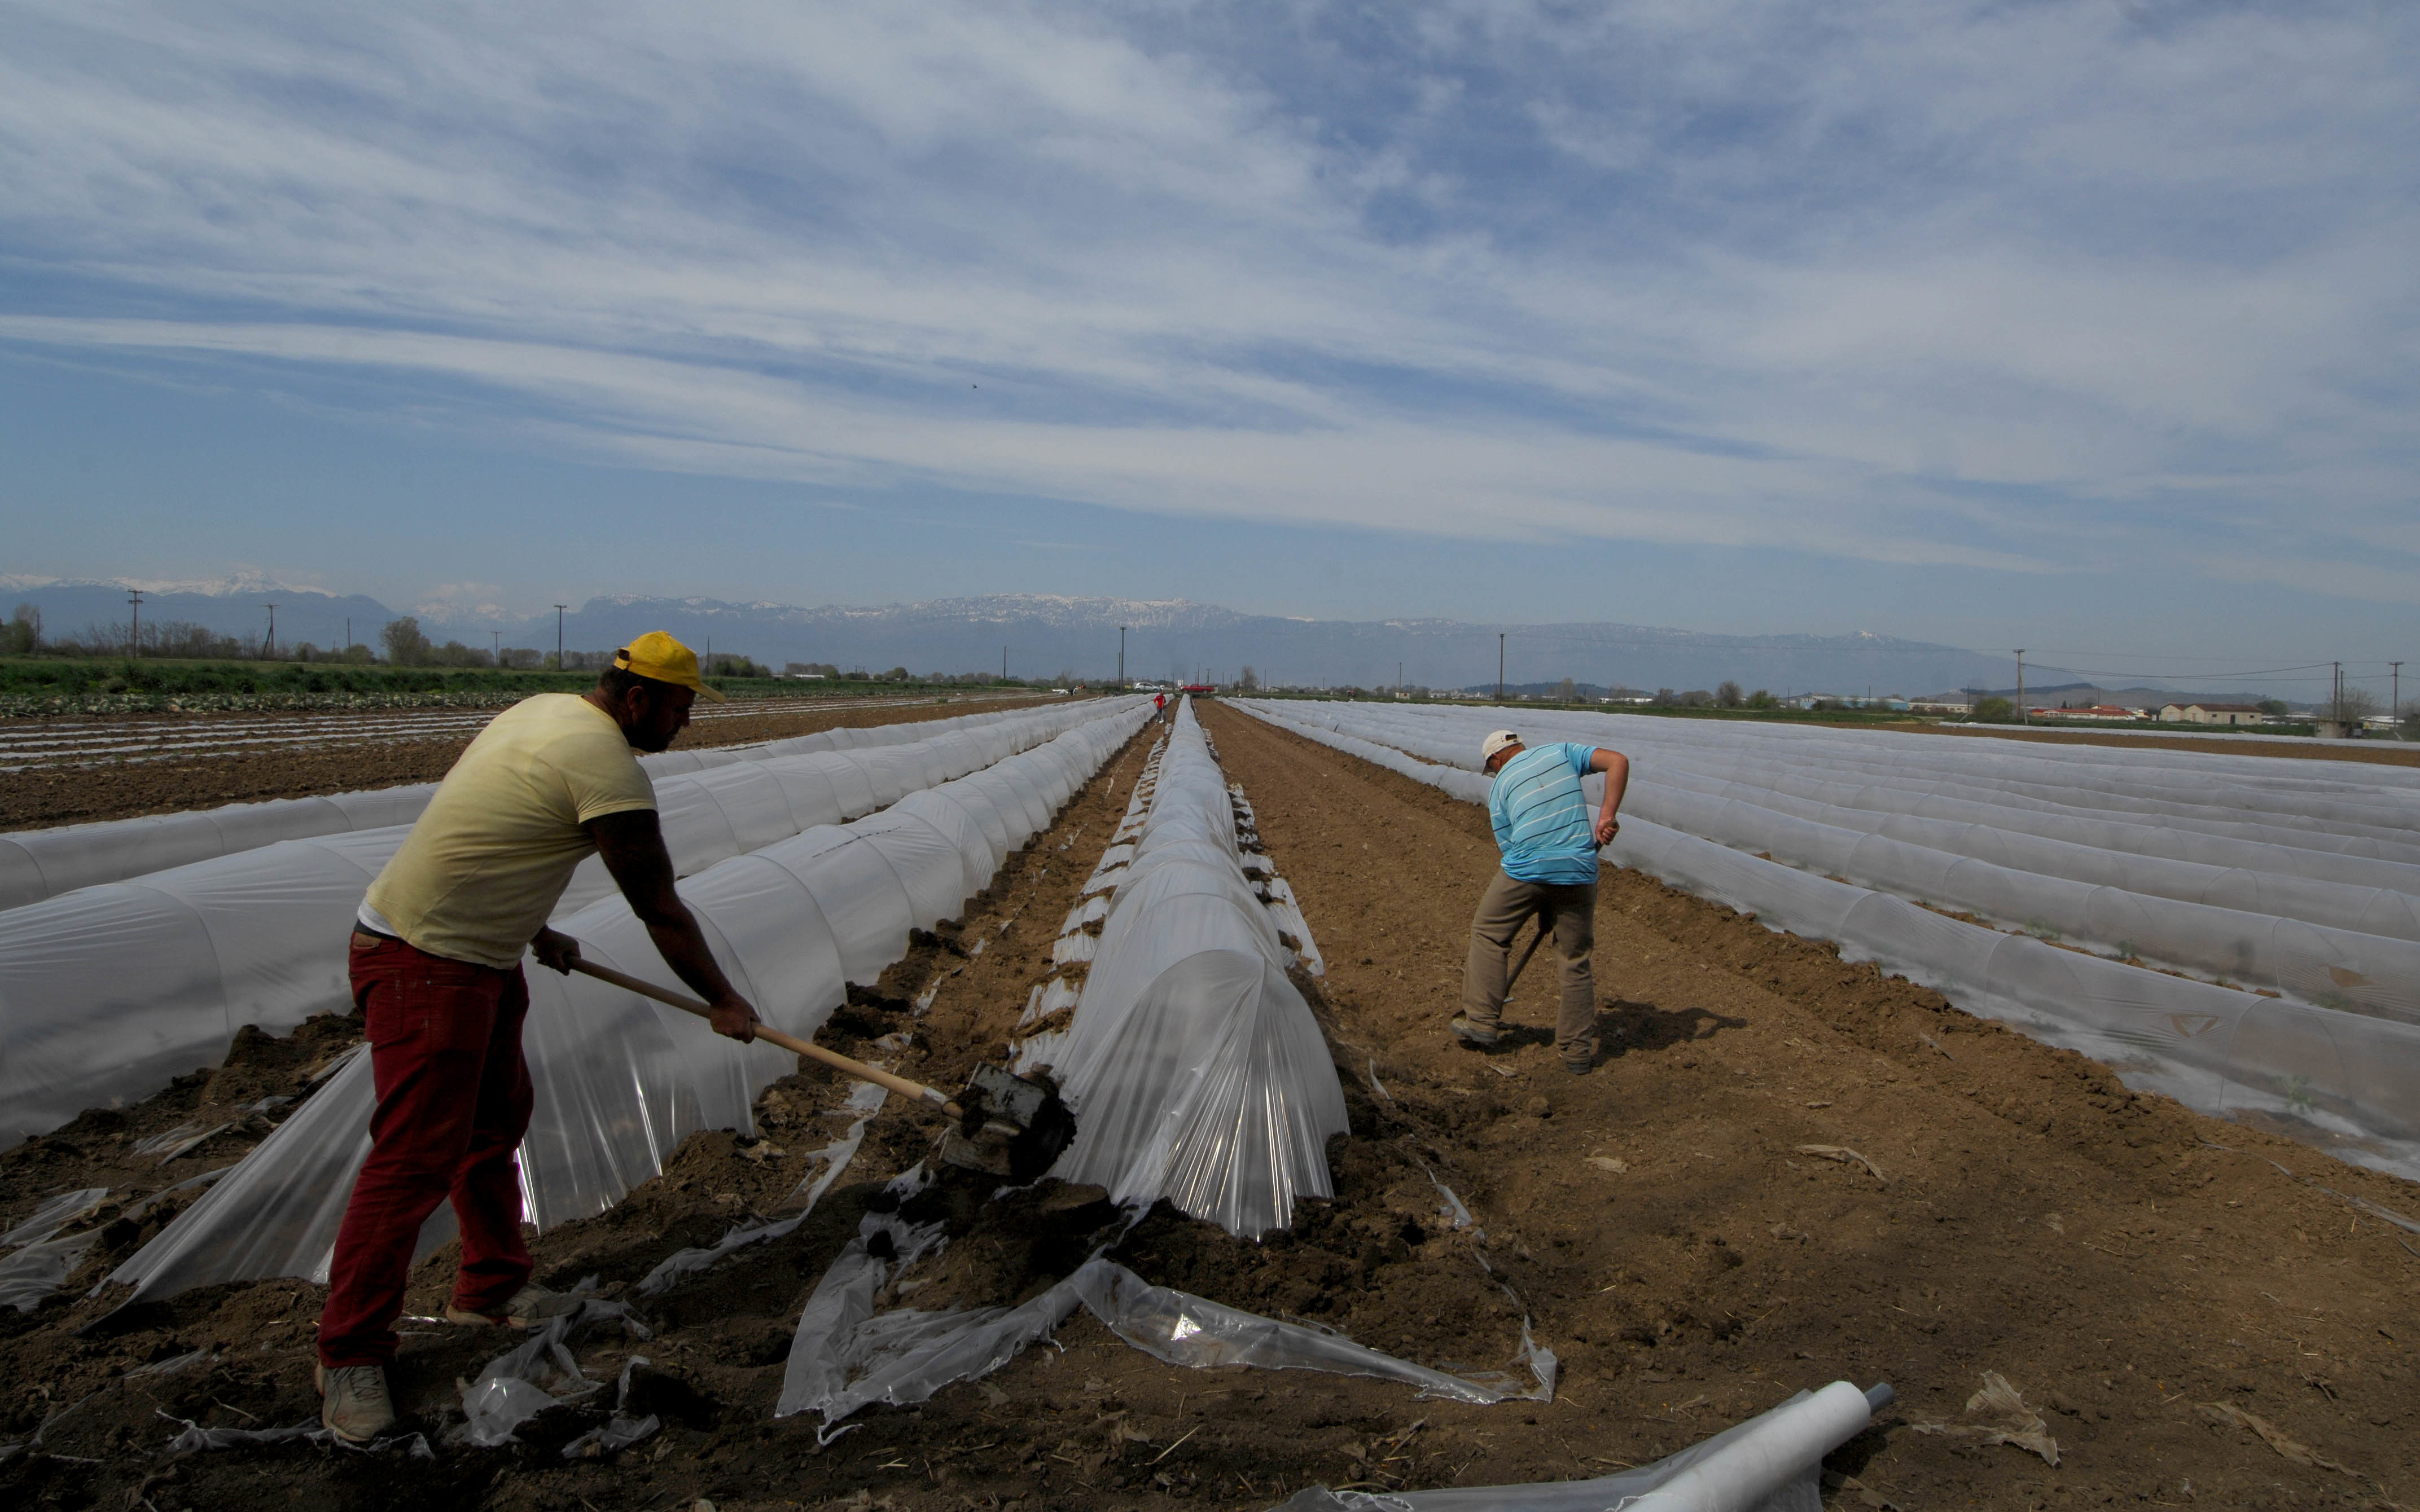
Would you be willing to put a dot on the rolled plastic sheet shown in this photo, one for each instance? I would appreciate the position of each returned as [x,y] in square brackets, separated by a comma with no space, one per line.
[1195,1069]
[1769,1463]
[108,991]
[2344,1081]
[620,1080]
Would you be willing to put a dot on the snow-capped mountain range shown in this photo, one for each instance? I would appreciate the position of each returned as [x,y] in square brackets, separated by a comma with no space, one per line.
[1045,634]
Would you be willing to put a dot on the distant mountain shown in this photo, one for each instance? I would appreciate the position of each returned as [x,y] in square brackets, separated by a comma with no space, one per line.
[234,605]
[1044,635]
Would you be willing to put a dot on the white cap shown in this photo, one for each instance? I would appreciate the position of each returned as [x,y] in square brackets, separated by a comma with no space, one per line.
[1501,738]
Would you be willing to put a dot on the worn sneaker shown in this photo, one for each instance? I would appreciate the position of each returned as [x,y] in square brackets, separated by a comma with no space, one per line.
[527,1309]
[1580,1066]
[1477,1036]
[353,1403]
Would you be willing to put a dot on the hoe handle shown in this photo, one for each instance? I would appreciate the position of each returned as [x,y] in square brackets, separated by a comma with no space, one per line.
[797,1046]
[1523,964]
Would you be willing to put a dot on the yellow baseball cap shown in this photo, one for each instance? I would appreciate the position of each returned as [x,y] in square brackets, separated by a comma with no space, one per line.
[660,659]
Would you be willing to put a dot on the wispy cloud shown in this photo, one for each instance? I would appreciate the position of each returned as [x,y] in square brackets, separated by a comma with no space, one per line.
[2028,288]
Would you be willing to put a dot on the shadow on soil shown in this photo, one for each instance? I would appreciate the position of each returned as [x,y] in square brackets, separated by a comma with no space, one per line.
[1623,1027]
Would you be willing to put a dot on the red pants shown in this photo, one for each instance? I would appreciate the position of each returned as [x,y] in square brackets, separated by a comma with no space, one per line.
[453,1103]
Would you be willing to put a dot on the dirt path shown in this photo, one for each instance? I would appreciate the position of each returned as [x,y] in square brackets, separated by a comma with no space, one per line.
[1656,1220]
[39,797]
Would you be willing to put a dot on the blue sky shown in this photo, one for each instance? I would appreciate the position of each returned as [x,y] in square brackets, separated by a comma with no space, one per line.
[2091,325]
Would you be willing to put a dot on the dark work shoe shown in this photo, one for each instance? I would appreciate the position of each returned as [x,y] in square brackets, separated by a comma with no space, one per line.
[1580,1065]
[1477,1035]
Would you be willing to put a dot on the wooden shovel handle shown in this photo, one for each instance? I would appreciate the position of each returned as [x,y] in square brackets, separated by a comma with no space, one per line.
[797,1046]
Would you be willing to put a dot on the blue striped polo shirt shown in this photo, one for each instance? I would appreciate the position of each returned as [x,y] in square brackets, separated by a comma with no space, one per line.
[1541,816]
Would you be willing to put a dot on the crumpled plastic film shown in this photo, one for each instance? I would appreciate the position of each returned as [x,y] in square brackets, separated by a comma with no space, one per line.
[845,1356]
[1187,1330]
[1194,1067]
[2343,1081]
[826,1166]
[195,1439]
[109,991]
[522,1382]
[620,1080]
[621,1430]
[52,1215]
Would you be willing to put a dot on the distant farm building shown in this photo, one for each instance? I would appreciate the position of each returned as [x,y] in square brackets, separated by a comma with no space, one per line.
[2213,714]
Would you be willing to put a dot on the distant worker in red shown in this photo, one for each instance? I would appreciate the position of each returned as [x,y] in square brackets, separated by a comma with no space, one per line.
[1550,847]
[1158,705]
[437,976]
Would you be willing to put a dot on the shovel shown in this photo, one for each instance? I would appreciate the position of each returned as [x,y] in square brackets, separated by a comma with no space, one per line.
[1008,1125]
[1518,967]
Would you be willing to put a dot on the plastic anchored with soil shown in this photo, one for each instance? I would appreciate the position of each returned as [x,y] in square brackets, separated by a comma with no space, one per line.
[107,992]
[621,1081]
[1195,1068]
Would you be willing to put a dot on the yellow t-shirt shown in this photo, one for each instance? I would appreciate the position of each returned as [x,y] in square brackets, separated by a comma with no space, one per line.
[491,854]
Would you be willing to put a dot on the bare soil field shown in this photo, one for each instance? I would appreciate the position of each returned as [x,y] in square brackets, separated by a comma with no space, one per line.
[2197,1320]
[40,796]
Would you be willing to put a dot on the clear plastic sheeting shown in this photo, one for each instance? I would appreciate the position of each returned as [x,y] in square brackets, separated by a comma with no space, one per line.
[36,864]
[110,991]
[1182,1329]
[54,1215]
[845,1356]
[1769,1463]
[522,1382]
[2339,1071]
[1194,1067]
[823,1167]
[621,1080]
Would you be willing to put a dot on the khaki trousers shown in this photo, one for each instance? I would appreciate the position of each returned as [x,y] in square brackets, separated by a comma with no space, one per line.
[1503,909]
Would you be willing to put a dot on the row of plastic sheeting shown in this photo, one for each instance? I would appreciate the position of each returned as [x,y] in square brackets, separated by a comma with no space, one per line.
[2264,920]
[2343,1081]
[1195,1068]
[36,864]
[107,992]
[621,1080]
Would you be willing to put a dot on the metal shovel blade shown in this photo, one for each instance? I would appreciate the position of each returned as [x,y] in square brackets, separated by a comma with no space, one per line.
[1013,1126]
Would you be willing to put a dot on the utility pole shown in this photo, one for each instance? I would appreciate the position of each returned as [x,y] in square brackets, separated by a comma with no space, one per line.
[348,635]
[2021,687]
[1399,679]
[2394,699]
[558,637]
[2336,700]
[496,647]
[1499,666]
[1122,656]
[269,647]
[1003,664]
[135,634]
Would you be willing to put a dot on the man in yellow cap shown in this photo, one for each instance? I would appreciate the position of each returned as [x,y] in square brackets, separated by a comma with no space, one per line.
[437,976]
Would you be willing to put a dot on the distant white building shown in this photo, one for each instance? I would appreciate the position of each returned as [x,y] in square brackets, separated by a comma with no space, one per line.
[2227,714]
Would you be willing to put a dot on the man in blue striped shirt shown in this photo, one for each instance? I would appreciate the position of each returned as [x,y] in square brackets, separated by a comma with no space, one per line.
[1550,858]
